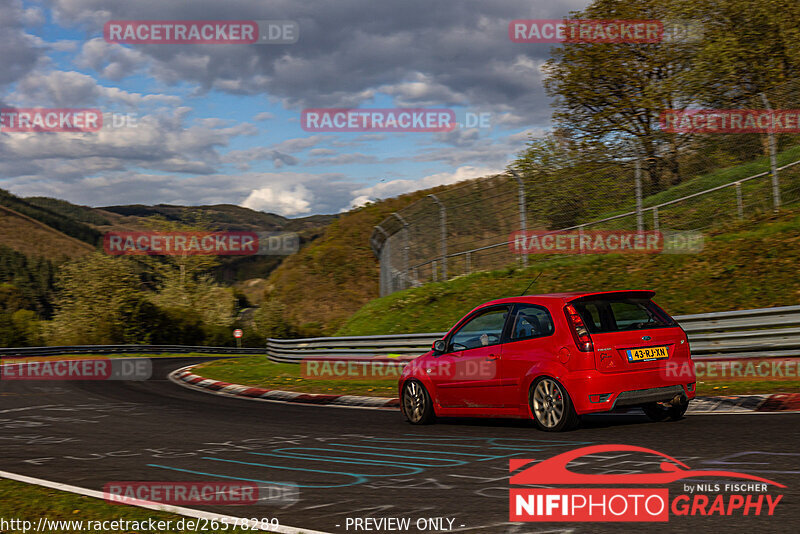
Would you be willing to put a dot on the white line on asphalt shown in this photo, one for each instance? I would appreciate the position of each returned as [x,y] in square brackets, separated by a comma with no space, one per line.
[28,408]
[179,510]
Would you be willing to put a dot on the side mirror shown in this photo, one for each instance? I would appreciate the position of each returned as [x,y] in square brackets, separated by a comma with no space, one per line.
[439,346]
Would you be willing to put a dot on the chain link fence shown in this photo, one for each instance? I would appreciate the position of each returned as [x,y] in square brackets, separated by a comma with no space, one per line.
[696,181]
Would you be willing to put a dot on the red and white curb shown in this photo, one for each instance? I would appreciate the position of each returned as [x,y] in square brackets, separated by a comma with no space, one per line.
[730,404]
[185,377]
[768,403]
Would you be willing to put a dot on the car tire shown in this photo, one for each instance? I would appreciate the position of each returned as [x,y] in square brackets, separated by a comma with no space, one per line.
[416,404]
[659,412]
[551,406]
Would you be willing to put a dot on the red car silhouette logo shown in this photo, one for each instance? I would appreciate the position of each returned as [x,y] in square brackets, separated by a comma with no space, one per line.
[554,470]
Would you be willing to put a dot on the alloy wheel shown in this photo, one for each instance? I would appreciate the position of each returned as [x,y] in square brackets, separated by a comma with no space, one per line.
[548,403]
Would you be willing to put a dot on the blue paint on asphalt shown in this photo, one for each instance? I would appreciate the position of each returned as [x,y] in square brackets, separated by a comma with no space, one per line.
[418,461]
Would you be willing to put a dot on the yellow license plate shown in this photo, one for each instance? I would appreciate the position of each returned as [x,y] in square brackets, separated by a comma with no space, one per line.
[647,354]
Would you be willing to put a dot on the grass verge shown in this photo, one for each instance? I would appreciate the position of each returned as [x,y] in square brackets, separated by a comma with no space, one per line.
[258,371]
[59,357]
[29,502]
[749,264]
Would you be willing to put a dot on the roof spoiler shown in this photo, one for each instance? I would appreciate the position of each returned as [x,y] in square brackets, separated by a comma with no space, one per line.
[633,293]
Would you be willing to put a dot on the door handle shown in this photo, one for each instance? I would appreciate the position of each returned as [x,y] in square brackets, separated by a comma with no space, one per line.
[492,357]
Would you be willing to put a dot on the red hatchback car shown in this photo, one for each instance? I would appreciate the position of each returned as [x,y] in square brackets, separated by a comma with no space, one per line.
[552,358]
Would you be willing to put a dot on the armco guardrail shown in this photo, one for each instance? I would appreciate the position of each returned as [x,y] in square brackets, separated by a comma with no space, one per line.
[123,349]
[759,333]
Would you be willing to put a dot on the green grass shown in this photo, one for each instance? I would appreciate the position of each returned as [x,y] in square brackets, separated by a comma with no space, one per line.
[747,264]
[30,502]
[260,372]
[722,176]
[14,359]
[712,388]
[710,208]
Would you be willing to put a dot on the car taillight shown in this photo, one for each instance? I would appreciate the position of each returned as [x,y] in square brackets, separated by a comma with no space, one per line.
[579,330]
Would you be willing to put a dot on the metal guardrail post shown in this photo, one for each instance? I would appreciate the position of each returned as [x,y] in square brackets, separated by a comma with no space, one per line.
[443,222]
[637,174]
[656,225]
[468,262]
[739,204]
[523,224]
[773,161]
[405,248]
[384,271]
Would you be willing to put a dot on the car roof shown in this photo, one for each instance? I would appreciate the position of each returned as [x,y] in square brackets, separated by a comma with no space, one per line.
[570,296]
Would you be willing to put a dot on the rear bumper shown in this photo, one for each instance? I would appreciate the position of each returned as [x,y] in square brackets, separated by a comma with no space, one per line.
[624,389]
[643,396]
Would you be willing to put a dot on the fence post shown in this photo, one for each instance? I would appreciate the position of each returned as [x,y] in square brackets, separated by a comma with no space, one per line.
[580,238]
[655,219]
[469,263]
[637,174]
[773,161]
[739,205]
[384,272]
[443,222]
[434,270]
[522,219]
[405,248]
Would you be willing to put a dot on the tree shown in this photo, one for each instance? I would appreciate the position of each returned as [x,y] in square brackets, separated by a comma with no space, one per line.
[97,297]
[614,93]
[748,47]
[270,320]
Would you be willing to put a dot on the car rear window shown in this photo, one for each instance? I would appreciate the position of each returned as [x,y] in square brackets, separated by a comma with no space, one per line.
[621,314]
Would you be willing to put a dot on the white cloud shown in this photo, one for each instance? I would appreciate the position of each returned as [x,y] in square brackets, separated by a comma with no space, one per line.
[111,60]
[398,187]
[70,88]
[33,16]
[283,201]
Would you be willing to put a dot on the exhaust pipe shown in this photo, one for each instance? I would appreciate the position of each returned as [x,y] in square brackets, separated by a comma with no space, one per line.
[677,400]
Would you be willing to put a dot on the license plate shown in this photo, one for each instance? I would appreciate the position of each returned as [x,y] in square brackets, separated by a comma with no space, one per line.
[647,354]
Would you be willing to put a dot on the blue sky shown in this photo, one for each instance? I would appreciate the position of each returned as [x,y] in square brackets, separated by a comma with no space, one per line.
[220,123]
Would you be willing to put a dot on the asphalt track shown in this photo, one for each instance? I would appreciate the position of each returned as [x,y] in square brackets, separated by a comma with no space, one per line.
[354,463]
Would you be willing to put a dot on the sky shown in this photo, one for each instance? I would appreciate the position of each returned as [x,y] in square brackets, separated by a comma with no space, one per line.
[221,123]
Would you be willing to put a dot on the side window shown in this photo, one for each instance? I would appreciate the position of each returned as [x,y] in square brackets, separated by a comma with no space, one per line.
[531,321]
[481,331]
